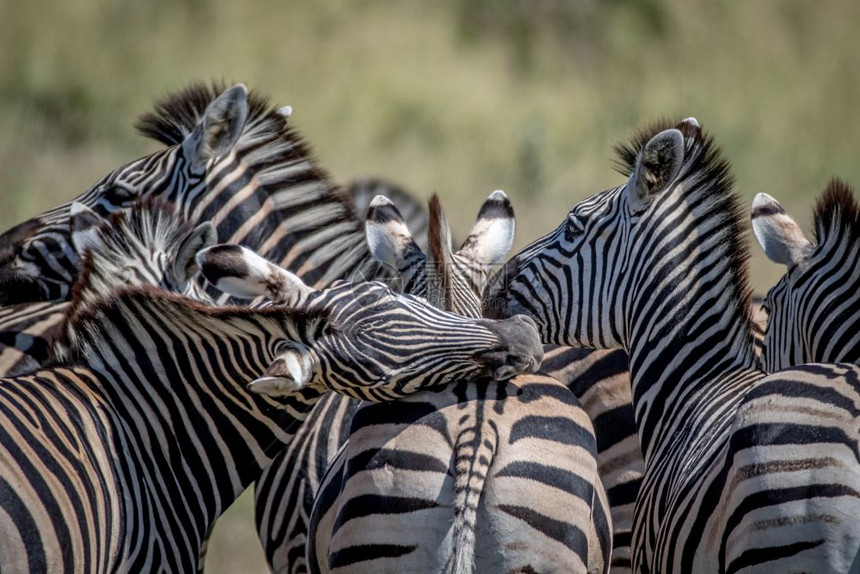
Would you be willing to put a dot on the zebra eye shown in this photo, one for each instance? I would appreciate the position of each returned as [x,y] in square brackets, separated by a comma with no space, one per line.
[120,194]
[573,228]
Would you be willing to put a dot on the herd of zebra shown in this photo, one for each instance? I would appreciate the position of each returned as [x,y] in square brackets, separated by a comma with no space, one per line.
[612,397]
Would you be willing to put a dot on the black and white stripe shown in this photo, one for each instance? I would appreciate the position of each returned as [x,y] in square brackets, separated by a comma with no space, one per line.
[231,160]
[744,472]
[122,457]
[599,379]
[40,261]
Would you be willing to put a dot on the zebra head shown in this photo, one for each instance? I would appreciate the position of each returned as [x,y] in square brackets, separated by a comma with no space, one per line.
[450,280]
[38,260]
[374,344]
[814,309]
[149,244]
[606,262]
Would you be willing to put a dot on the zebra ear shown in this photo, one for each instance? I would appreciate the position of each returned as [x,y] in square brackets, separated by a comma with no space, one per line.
[185,264]
[240,272]
[84,226]
[492,236]
[779,236]
[388,238]
[657,166]
[220,127]
[289,372]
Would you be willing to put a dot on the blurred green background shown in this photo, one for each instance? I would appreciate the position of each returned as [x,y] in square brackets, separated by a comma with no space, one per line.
[459,97]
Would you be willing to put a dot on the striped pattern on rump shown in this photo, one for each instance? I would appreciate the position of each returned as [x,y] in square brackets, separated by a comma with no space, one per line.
[535,449]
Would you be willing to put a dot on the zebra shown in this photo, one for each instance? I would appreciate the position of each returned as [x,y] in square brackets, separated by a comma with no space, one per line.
[260,187]
[388,499]
[28,329]
[285,493]
[121,456]
[743,471]
[147,244]
[37,259]
[814,308]
[532,400]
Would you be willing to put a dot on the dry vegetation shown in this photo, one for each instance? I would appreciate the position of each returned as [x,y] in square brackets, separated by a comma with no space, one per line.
[455,97]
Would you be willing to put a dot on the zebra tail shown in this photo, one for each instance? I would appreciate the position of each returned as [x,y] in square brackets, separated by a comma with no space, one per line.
[473,454]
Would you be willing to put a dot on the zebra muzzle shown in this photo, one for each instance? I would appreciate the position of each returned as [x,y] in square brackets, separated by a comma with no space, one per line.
[519,351]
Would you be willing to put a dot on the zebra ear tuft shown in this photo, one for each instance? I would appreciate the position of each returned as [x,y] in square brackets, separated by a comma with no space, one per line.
[657,166]
[185,264]
[291,371]
[779,236]
[388,238]
[492,236]
[220,127]
[84,226]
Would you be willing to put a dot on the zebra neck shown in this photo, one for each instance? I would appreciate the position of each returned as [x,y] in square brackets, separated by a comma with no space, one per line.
[177,379]
[272,197]
[688,334]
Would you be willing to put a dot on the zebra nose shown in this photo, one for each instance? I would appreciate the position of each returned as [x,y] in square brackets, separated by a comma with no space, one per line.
[520,349]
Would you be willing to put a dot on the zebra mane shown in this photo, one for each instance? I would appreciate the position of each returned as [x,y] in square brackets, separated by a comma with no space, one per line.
[708,177]
[837,215]
[266,134]
[89,326]
[176,115]
[149,226]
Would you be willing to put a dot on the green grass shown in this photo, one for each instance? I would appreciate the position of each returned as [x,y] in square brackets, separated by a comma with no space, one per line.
[459,98]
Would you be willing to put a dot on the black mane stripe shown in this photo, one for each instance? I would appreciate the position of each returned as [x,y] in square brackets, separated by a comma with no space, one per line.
[175,116]
[837,212]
